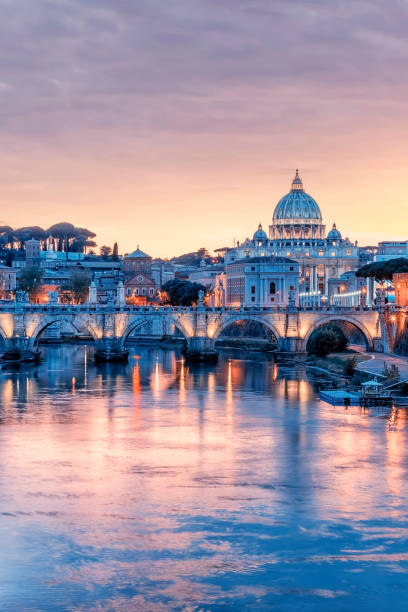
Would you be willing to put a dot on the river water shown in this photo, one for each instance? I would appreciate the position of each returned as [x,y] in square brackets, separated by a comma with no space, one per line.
[154,486]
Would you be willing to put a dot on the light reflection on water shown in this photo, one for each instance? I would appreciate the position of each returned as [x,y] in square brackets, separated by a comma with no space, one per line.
[158,486]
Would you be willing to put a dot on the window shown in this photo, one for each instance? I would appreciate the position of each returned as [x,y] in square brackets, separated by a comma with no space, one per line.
[137,291]
[151,290]
[291,268]
[272,299]
[291,288]
[253,269]
[272,288]
[143,290]
[348,252]
[252,299]
[333,253]
[288,254]
[253,289]
[129,292]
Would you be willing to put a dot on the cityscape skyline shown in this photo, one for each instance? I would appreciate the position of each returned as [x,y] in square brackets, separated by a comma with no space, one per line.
[110,238]
[180,126]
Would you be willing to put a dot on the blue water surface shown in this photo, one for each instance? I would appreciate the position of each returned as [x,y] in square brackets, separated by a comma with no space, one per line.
[157,486]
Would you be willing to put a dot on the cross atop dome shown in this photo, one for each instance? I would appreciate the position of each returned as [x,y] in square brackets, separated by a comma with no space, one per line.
[297,184]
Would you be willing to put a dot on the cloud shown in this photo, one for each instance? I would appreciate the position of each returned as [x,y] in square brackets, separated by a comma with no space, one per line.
[99,93]
[71,65]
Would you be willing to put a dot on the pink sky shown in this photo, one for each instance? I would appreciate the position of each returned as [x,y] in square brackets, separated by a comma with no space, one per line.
[179,125]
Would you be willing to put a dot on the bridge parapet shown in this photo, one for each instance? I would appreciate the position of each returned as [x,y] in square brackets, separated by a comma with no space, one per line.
[110,325]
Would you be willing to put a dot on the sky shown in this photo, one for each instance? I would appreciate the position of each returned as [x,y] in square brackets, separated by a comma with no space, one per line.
[179,124]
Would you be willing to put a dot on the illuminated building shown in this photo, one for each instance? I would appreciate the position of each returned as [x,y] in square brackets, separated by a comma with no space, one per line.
[298,233]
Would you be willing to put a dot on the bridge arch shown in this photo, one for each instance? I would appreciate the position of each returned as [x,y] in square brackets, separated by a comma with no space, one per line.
[135,324]
[340,318]
[78,323]
[230,320]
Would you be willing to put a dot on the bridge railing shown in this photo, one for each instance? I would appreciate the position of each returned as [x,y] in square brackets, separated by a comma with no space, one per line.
[11,306]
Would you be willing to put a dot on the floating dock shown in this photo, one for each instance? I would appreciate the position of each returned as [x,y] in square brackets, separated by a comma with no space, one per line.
[339,397]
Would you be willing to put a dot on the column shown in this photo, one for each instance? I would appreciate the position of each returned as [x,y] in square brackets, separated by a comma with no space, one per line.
[369,292]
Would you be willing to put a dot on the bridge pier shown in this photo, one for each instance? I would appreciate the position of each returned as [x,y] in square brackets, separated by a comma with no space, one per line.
[110,349]
[19,348]
[294,345]
[201,349]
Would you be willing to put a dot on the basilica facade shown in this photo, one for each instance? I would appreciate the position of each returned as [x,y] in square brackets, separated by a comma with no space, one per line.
[297,232]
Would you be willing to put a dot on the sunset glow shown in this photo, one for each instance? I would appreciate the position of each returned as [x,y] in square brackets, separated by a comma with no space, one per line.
[179,125]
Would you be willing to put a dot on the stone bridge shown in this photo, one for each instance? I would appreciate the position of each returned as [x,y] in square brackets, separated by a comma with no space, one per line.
[21,324]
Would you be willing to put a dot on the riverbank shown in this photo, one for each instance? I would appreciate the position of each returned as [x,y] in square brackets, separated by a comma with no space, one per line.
[247,344]
[338,363]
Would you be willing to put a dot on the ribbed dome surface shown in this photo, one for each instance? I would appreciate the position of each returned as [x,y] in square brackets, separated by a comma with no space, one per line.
[260,234]
[334,233]
[297,204]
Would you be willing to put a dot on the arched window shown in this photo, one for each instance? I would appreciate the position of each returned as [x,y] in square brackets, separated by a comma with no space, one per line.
[272,288]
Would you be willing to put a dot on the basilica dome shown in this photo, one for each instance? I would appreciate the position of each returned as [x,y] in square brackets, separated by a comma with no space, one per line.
[297,206]
[334,233]
[260,234]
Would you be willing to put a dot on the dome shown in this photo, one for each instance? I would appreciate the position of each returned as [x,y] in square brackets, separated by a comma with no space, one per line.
[334,233]
[260,234]
[297,205]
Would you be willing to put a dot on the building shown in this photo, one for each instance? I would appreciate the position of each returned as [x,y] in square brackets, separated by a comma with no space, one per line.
[33,252]
[162,272]
[137,262]
[140,289]
[206,275]
[392,250]
[348,290]
[298,233]
[8,281]
[400,282]
[261,281]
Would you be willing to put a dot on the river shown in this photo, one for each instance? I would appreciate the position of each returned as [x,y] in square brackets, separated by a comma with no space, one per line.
[154,486]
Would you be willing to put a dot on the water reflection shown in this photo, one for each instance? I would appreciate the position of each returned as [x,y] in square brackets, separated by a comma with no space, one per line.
[157,485]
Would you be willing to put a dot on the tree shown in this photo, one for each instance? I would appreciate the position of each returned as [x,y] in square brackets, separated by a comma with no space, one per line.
[35,232]
[6,235]
[115,252]
[64,232]
[30,280]
[322,342]
[328,338]
[105,251]
[182,293]
[350,366]
[192,259]
[383,270]
[79,285]
[67,233]
[392,372]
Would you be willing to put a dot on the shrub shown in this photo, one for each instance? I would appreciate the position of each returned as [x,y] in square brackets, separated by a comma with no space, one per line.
[327,339]
[322,342]
[391,372]
[350,366]
[404,388]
